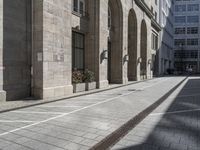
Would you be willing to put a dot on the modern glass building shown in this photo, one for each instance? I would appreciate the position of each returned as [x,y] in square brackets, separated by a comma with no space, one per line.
[187,35]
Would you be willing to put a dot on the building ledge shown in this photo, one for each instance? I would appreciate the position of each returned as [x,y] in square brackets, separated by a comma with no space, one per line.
[144,7]
[156,25]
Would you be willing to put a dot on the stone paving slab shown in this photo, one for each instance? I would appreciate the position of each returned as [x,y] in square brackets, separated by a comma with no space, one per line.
[175,125]
[84,126]
[12,105]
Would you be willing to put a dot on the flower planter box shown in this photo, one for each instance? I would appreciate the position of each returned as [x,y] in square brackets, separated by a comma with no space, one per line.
[80,87]
[90,86]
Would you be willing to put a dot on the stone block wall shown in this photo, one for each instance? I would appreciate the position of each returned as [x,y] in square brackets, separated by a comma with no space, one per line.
[55,50]
[39,63]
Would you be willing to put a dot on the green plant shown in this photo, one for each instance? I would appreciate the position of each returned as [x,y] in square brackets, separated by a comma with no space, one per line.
[89,76]
[77,77]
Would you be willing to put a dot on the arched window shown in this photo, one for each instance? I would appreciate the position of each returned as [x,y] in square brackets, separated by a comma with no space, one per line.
[79,7]
[109,18]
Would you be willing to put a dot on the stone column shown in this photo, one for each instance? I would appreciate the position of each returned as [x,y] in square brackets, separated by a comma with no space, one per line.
[2,93]
[52,58]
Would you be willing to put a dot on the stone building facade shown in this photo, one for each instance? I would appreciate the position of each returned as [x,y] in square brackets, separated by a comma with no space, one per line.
[42,41]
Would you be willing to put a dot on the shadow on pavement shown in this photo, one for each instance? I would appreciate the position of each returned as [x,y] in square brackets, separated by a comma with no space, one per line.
[177,131]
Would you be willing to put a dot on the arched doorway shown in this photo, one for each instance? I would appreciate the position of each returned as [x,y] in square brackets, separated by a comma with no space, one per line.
[132,46]
[143,44]
[115,25]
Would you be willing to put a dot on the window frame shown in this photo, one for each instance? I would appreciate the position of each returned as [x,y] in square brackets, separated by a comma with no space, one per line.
[77,10]
[74,48]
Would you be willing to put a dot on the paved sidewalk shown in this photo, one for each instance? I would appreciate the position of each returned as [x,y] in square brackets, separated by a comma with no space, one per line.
[12,105]
[174,125]
[81,122]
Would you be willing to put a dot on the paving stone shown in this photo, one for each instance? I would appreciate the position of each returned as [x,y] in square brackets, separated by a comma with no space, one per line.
[83,129]
[177,131]
[90,136]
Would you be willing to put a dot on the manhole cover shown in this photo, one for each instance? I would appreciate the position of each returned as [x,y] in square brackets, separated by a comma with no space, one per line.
[119,94]
[131,90]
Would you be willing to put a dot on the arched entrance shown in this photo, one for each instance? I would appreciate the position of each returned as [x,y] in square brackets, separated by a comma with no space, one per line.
[115,24]
[143,43]
[132,46]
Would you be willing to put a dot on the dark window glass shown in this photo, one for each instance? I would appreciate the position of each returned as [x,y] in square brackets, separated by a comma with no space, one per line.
[78,51]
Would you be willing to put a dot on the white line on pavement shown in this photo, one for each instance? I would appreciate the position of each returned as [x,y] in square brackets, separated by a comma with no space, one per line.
[48,106]
[16,121]
[91,98]
[35,112]
[174,112]
[74,111]
[65,114]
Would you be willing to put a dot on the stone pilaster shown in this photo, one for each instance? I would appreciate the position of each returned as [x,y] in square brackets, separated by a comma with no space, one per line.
[96,41]
[52,49]
[2,93]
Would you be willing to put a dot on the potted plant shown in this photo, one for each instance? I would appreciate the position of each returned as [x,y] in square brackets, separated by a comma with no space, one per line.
[77,80]
[89,79]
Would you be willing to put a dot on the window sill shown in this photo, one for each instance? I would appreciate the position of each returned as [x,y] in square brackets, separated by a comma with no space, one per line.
[77,14]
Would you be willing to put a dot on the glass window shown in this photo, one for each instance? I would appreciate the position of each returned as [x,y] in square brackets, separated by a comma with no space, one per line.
[180,30]
[154,41]
[109,18]
[179,42]
[75,5]
[180,19]
[193,7]
[192,30]
[193,19]
[78,51]
[192,42]
[180,8]
[79,7]
[191,54]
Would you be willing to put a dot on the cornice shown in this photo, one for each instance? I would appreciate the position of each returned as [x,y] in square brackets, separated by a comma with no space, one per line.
[156,25]
[144,7]
[147,10]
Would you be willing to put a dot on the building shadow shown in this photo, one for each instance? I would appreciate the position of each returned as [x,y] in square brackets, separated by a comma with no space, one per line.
[17,49]
[177,131]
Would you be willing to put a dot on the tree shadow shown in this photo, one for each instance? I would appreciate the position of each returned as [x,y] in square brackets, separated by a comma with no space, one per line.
[177,131]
